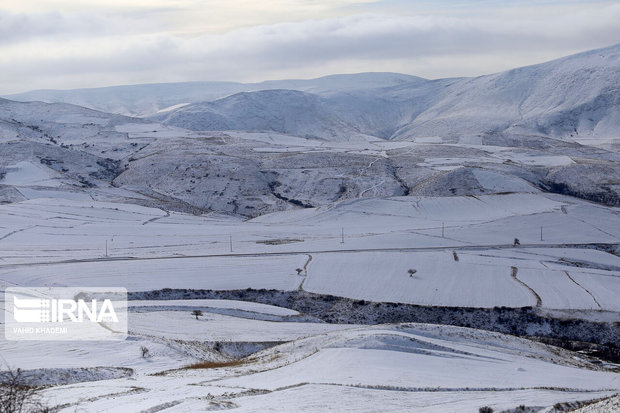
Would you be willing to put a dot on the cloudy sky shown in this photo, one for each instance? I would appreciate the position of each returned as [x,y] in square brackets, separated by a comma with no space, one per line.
[65,44]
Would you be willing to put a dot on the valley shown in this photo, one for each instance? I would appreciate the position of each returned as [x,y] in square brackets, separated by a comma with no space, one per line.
[361,242]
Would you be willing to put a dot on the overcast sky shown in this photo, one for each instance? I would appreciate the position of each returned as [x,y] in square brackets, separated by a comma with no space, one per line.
[62,44]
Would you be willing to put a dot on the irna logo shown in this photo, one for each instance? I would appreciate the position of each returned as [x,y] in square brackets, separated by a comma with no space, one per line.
[65,313]
[27,310]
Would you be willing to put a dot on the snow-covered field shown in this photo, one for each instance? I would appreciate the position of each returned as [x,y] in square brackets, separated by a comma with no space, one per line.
[358,249]
[384,368]
[390,195]
[461,249]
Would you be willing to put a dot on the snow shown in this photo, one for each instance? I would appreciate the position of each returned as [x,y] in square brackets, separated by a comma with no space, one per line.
[541,160]
[317,365]
[521,100]
[253,173]
[558,98]
[27,174]
[368,369]
[63,242]
[135,127]
[439,280]
[220,304]
[386,366]
[327,397]
[173,107]
[139,275]
[608,405]
[142,100]
[36,193]
[495,182]
[301,186]
[602,286]
[216,327]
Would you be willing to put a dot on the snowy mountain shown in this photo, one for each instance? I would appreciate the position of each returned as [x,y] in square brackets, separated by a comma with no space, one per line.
[251,153]
[148,99]
[570,98]
[576,97]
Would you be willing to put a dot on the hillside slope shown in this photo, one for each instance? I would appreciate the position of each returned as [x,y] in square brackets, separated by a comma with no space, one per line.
[571,98]
[284,111]
[576,95]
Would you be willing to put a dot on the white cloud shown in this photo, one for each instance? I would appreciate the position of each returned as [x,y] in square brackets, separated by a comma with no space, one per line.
[56,50]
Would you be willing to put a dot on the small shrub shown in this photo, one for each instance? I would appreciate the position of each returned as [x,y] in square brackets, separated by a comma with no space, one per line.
[485,409]
[411,271]
[214,364]
[196,313]
[456,257]
[16,395]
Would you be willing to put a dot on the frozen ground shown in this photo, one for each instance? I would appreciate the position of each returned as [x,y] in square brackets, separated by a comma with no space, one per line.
[377,193]
[349,368]
[572,98]
[358,249]
[59,150]
[265,358]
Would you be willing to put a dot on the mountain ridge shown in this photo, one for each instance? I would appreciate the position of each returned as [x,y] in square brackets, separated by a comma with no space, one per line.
[149,98]
[551,127]
[565,98]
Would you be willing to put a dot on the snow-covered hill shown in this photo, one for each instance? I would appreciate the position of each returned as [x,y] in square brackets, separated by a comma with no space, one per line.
[284,111]
[576,97]
[550,127]
[571,97]
[148,99]
[80,152]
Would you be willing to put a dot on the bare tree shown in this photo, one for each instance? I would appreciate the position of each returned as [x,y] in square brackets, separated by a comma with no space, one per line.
[197,313]
[16,395]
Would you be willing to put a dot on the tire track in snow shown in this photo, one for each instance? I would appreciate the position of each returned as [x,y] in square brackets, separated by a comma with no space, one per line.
[362,171]
[132,390]
[301,286]
[157,218]
[597,228]
[288,253]
[513,273]
[372,187]
[16,231]
[585,289]
[446,389]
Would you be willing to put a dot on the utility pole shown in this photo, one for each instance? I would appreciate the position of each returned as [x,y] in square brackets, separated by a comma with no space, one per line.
[342,236]
[442,230]
[541,238]
[231,247]
[106,247]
